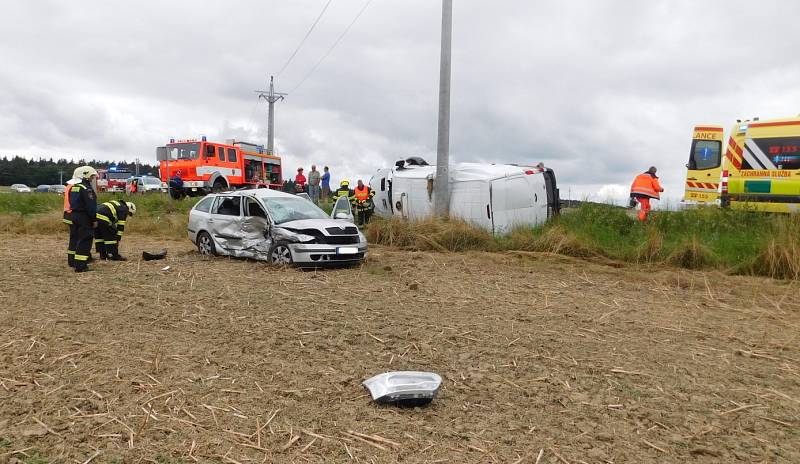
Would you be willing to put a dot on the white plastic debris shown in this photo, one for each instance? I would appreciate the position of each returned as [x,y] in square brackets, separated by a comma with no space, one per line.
[405,388]
[165,268]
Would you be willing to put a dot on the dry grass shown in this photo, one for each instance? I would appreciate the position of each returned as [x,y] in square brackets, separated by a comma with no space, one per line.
[429,235]
[230,360]
[650,250]
[171,225]
[554,239]
[691,255]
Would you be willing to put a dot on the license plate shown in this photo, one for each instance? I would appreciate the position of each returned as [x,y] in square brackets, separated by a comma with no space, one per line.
[346,250]
[194,189]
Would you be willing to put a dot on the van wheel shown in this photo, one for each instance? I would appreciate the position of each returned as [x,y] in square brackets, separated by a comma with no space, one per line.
[280,254]
[219,186]
[205,244]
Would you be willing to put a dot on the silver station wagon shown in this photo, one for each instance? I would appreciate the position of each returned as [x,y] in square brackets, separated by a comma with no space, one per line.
[277,227]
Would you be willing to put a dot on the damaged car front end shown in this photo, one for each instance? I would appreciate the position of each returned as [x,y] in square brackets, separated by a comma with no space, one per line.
[273,226]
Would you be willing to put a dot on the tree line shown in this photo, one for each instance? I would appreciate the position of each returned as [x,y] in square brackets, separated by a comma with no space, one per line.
[19,170]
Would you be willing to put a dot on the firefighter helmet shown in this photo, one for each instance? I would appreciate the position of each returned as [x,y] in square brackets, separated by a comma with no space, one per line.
[84,172]
[131,207]
[344,183]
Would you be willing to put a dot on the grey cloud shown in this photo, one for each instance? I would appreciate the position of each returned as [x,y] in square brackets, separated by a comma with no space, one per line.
[598,90]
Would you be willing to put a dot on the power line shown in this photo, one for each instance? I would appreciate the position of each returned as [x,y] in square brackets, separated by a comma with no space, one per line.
[339,39]
[304,38]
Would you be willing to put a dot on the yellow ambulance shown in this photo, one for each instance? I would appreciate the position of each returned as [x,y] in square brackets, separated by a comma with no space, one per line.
[758,168]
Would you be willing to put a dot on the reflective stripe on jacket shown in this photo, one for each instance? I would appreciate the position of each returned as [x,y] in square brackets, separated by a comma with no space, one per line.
[647,185]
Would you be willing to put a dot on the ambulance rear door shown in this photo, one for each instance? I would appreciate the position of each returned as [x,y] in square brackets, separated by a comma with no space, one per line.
[705,166]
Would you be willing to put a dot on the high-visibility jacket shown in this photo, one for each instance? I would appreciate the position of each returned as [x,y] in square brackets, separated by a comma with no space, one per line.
[343,192]
[114,213]
[67,207]
[646,185]
[363,194]
[82,199]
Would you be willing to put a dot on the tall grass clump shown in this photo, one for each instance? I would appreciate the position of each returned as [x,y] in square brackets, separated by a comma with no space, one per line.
[551,239]
[779,258]
[691,255]
[650,250]
[429,235]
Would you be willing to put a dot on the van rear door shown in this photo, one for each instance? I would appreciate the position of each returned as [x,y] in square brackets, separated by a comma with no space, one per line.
[705,165]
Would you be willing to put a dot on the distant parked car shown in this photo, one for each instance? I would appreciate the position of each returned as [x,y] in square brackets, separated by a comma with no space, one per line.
[59,189]
[20,188]
[42,188]
[146,184]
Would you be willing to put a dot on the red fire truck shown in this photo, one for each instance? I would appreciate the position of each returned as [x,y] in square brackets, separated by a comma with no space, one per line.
[112,179]
[205,166]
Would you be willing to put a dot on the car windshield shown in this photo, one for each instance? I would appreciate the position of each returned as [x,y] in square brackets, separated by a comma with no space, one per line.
[19,185]
[287,209]
[151,181]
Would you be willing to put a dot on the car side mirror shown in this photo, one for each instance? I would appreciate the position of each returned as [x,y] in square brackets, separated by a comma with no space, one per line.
[687,165]
[341,216]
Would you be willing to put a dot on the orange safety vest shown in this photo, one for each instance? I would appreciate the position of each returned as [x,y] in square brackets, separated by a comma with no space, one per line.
[646,185]
[67,206]
[362,194]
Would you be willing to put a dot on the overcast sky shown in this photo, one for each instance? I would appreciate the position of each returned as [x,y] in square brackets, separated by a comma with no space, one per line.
[598,90]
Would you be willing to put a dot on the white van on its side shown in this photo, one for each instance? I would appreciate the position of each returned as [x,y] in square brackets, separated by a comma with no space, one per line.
[493,196]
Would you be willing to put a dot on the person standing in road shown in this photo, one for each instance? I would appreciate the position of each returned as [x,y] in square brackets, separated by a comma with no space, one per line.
[326,183]
[313,184]
[645,186]
[83,203]
[299,181]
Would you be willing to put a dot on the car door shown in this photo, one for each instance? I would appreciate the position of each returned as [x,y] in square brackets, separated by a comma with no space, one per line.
[255,226]
[341,210]
[225,222]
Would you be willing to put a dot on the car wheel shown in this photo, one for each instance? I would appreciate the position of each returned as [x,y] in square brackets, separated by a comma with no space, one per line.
[205,244]
[280,254]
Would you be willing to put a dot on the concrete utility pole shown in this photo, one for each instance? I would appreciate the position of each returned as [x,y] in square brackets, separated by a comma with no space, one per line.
[442,182]
[271,96]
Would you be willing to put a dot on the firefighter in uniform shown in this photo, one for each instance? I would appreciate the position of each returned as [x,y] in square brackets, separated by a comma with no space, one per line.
[362,202]
[68,221]
[645,186]
[73,234]
[111,219]
[83,203]
[343,191]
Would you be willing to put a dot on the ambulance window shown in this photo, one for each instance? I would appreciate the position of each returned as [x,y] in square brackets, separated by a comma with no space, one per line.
[221,153]
[783,152]
[383,184]
[231,155]
[706,154]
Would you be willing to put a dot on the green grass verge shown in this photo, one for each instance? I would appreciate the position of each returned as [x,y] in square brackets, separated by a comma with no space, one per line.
[743,242]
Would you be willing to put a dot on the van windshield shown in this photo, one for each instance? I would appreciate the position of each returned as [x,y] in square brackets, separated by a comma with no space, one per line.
[292,209]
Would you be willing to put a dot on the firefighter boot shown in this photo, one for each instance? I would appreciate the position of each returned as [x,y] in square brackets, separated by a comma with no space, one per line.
[117,258]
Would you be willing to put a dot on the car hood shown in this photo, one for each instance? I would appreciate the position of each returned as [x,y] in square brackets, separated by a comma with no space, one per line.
[316,224]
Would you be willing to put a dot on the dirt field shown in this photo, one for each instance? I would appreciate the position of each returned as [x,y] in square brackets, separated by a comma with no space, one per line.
[544,359]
